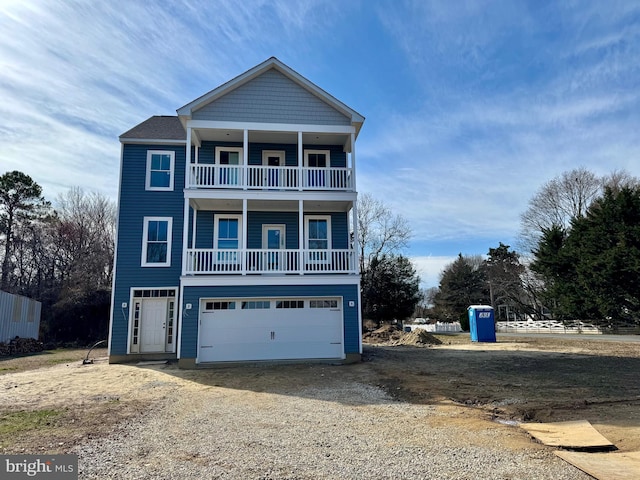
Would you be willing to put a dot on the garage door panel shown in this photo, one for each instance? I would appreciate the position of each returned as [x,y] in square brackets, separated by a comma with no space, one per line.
[232,353]
[271,334]
[312,333]
[311,349]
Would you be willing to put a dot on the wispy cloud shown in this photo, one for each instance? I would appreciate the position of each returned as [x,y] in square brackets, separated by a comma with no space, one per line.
[513,98]
[74,75]
[470,105]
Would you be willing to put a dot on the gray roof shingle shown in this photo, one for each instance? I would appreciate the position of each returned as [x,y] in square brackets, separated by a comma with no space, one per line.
[158,127]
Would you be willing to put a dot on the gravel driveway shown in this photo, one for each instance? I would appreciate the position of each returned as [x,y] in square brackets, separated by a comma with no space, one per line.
[306,422]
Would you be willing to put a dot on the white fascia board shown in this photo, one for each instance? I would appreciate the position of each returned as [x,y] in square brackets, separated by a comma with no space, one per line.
[271,127]
[154,141]
[252,280]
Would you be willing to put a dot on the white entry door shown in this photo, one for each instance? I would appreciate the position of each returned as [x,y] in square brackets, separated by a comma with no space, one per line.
[153,325]
[273,238]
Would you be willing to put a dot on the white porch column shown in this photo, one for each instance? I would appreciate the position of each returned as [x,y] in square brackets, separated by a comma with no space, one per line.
[300,161]
[193,228]
[356,250]
[185,217]
[245,160]
[353,161]
[187,160]
[300,237]
[185,235]
[243,251]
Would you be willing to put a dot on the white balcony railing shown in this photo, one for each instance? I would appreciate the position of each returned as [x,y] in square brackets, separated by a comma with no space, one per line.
[209,261]
[263,177]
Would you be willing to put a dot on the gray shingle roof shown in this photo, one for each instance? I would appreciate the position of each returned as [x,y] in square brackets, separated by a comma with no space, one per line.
[158,127]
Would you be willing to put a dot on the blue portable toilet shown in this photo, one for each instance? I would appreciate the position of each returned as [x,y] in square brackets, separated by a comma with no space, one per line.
[481,323]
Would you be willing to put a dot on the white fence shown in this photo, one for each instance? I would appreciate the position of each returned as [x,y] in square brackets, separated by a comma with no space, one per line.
[438,327]
[19,317]
[546,326]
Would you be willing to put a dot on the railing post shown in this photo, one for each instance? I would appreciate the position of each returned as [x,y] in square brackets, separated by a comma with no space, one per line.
[245,157]
[300,162]
[244,234]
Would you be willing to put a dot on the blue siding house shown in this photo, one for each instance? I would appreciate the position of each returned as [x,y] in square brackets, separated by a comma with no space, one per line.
[235,228]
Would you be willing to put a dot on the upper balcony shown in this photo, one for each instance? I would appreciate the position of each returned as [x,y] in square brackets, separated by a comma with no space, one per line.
[312,158]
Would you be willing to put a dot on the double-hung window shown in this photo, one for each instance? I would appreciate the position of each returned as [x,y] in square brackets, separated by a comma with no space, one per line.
[160,167]
[228,239]
[318,238]
[156,242]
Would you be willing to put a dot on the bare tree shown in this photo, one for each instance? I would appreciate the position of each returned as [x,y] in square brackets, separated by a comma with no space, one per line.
[619,179]
[380,231]
[427,298]
[81,243]
[84,236]
[557,202]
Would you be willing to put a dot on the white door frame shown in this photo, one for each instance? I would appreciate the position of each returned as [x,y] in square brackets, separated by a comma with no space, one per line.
[169,322]
[273,260]
[271,174]
[274,226]
[273,153]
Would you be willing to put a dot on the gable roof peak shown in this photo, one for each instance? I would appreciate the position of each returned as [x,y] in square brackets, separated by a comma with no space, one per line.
[270,63]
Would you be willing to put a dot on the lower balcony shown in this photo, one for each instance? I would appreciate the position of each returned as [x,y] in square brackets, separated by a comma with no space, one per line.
[208,261]
[264,177]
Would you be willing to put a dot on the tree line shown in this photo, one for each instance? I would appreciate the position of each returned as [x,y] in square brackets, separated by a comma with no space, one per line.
[60,255]
[580,238]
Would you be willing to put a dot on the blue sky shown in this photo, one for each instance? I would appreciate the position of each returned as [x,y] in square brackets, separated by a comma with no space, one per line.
[470,105]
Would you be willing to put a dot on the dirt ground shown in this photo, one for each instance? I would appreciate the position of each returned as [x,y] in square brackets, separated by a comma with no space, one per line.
[527,379]
[51,402]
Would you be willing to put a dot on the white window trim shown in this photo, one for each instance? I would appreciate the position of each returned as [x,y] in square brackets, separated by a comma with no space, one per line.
[306,229]
[229,149]
[145,232]
[273,153]
[326,152]
[172,157]
[216,229]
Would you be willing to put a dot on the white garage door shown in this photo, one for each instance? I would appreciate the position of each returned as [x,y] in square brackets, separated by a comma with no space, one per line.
[270,329]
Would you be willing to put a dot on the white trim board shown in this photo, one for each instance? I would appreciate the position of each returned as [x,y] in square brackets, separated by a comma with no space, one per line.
[270,127]
[252,280]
